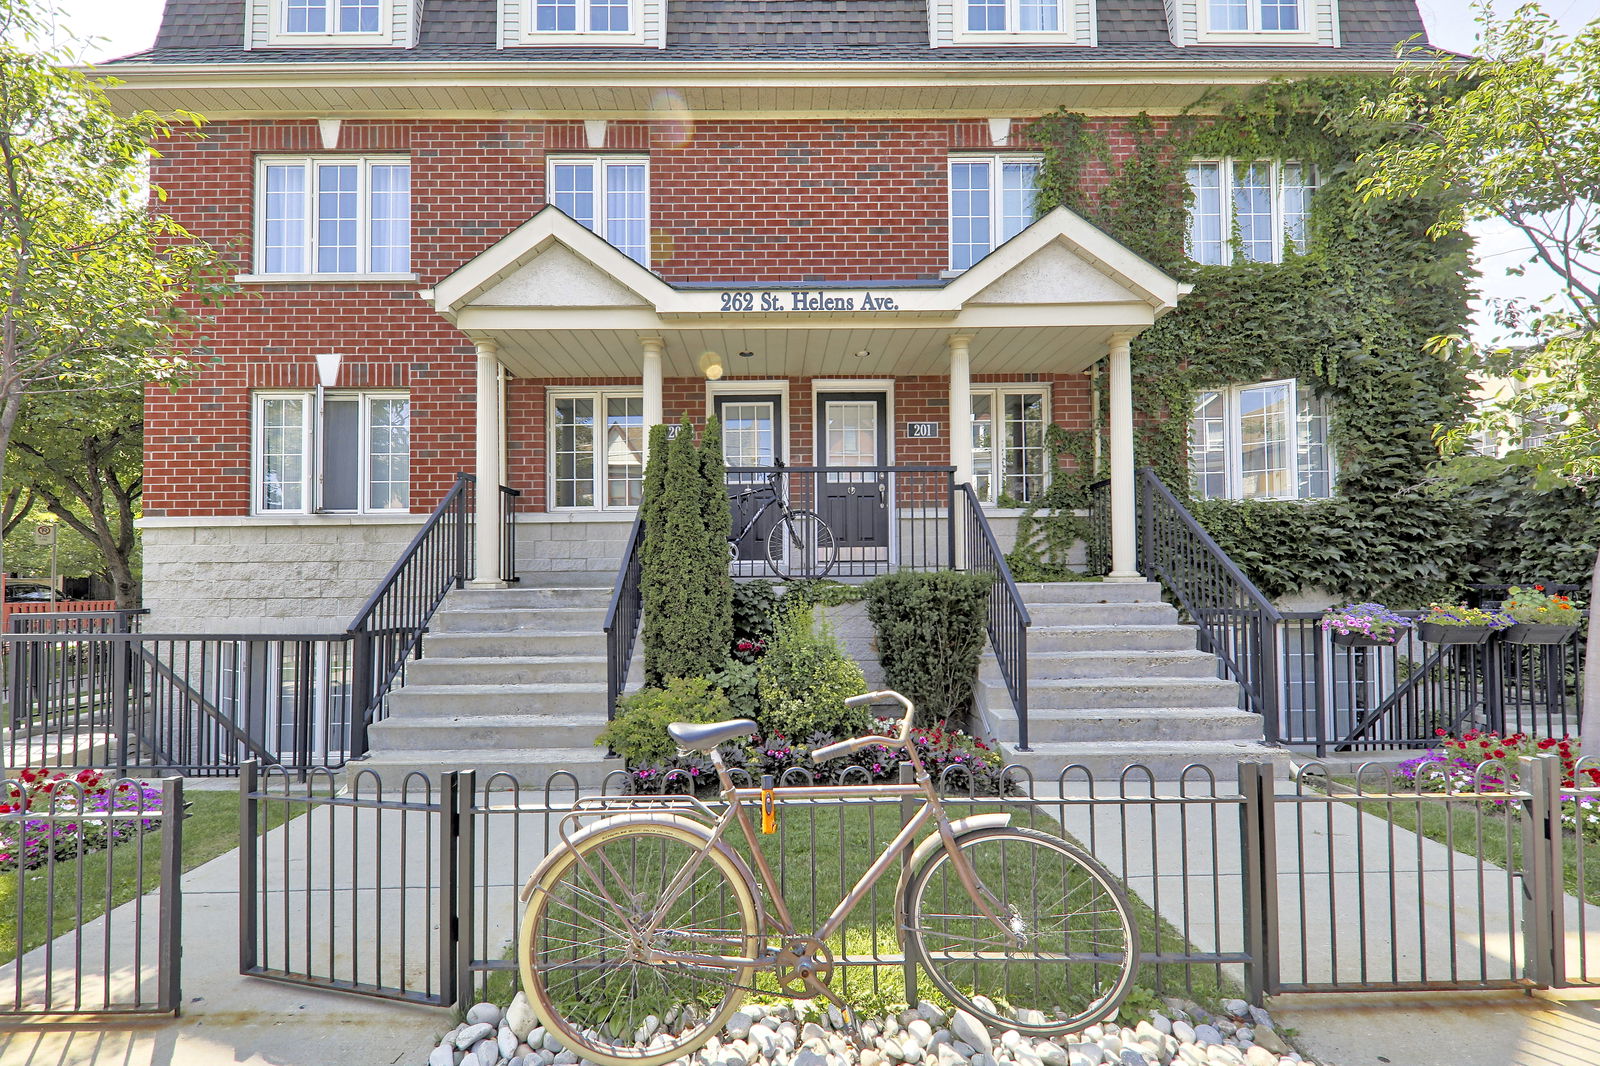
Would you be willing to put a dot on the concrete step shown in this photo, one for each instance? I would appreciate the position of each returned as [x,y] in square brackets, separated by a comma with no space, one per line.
[1132,613]
[427,733]
[1100,637]
[1119,664]
[1041,592]
[598,595]
[542,699]
[1166,761]
[507,670]
[533,768]
[513,642]
[1111,725]
[1108,693]
[507,619]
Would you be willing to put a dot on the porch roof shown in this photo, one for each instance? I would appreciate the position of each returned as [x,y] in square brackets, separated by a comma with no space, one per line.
[558,301]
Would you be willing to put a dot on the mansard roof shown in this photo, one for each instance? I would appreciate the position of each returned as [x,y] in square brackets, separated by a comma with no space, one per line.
[824,31]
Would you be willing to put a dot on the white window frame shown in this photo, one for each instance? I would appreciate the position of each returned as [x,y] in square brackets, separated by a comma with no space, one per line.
[531,34]
[599,164]
[364,165]
[1226,168]
[1065,30]
[311,460]
[1306,34]
[1233,444]
[281,34]
[599,395]
[997,392]
[996,162]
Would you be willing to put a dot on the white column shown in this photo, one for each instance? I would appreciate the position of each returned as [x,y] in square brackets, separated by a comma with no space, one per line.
[652,348]
[961,407]
[486,535]
[1124,533]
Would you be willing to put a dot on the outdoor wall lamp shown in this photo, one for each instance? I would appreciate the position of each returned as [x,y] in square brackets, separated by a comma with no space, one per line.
[711,365]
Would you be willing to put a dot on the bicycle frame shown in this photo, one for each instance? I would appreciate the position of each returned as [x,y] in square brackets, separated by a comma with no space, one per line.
[775,499]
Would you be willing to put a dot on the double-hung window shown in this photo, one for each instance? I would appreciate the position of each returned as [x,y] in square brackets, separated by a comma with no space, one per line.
[607,194]
[333,451]
[1253,16]
[1260,442]
[1008,447]
[334,215]
[1013,16]
[597,443]
[991,201]
[332,16]
[1248,211]
[581,16]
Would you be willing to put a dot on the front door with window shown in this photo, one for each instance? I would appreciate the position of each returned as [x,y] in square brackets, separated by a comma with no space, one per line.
[752,429]
[853,431]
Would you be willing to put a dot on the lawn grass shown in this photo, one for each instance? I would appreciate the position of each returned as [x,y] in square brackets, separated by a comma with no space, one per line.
[211,829]
[1487,837]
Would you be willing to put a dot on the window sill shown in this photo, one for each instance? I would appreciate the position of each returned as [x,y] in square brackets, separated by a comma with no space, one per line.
[578,516]
[395,518]
[1002,38]
[320,279]
[1260,37]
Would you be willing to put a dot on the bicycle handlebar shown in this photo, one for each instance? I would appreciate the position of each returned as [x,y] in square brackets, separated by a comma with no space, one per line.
[866,699]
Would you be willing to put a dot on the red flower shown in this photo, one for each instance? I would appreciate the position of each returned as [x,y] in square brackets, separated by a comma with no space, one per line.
[1546,744]
[1483,743]
[1538,588]
[1499,753]
[1441,733]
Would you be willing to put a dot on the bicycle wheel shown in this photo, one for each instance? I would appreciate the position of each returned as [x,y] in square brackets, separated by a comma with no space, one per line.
[800,544]
[578,947]
[1076,947]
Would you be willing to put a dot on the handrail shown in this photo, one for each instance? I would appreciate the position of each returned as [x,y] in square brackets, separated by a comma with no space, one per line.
[410,552]
[1009,617]
[1236,621]
[622,617]
[508,534]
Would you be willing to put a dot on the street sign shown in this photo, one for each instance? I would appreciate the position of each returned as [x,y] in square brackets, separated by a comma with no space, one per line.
[44,534]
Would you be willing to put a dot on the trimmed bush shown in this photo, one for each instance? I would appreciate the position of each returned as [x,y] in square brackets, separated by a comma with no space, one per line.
[639,731]
[930,633]
[804,679]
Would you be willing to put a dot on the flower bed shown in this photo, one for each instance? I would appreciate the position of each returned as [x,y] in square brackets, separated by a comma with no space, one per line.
[1483,761]
[31,842]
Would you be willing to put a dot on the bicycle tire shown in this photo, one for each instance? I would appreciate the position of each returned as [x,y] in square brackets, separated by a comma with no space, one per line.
[801,545]
[1035,992]
[594,1000]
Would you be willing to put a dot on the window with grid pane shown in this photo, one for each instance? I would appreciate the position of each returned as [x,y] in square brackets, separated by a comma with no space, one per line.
[332,16]
[1013,16]
[992,199]
[597,449]
[334,215]
[337,450]
[1250,16]
[609,195]
[582,16]
[1267,441]
[1248,210]
[1008,448]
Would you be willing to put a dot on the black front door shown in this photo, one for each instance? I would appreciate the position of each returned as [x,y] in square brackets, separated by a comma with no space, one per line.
[853,431]
[752,435]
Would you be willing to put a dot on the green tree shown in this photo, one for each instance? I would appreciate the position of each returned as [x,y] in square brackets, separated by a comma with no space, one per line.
[97,290]
[717,596]
[1515,135]
[687,622]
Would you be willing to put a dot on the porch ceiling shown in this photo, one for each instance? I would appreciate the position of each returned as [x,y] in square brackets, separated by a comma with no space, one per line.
[559,301]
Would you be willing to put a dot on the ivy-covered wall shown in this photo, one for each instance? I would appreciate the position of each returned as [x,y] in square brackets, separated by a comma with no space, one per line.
[1350,317]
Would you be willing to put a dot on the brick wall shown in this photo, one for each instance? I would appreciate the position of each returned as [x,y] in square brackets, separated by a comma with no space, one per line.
[782,202]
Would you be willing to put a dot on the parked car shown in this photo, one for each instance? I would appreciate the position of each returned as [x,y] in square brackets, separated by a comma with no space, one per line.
[24,590]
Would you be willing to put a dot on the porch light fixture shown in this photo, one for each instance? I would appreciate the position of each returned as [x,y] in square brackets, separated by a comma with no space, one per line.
[862,354]
[711,365]
[747,355]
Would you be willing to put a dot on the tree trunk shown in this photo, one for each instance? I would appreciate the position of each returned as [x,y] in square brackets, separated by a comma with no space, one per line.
[1589,719]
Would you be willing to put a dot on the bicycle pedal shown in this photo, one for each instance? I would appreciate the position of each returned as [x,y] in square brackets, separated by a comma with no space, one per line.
[852,1024]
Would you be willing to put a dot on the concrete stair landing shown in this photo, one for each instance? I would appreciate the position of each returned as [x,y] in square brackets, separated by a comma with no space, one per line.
[511,680]
[1114,679]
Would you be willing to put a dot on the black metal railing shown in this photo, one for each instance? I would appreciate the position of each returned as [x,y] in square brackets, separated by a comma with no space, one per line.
[622,617]
[387,631]
[1008,620]
[1097,547]
[883,518]
[508,534]
[1236,621]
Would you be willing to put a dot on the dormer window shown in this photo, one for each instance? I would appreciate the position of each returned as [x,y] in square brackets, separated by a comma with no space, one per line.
[582,16]
[1013,16]
[1254,16]
[324,17]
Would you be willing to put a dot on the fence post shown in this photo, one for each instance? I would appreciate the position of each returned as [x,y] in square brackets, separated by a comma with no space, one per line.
[449,914]
[120,681]
[1543,887]
[1259,873]
[1268,674]
[908,806]
[249,820]
[170,951]
[1147,528]
[463,568]
[466,897]
[363,687]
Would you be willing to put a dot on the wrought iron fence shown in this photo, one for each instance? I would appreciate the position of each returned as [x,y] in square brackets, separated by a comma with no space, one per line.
[73,950]
[1324,886]
[1008,619]
[622,617]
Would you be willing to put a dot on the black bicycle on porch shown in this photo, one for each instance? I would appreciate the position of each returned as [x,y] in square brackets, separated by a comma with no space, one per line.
[799,543]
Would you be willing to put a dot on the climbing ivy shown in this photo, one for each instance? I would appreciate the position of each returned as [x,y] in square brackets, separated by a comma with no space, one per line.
[1349,317]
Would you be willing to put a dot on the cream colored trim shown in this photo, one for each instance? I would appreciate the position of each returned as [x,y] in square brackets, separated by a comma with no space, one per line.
[734,387]
[318,279]
[883,385]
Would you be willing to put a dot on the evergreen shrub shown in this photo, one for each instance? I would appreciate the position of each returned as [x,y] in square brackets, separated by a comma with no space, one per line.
[638,733]
[930,630]
[804,679]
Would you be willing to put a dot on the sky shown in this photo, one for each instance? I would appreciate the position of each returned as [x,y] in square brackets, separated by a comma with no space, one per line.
[124,26]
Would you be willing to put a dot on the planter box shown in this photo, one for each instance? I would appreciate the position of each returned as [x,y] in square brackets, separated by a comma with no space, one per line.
[1435,633]
[1361,640]
[1540,633]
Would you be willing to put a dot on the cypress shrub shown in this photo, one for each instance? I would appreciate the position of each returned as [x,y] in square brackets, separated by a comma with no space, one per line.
[717,574]
[652,508]
[930,633]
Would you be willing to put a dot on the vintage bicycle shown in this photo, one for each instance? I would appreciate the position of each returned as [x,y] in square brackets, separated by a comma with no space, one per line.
[799,544]
[643,931]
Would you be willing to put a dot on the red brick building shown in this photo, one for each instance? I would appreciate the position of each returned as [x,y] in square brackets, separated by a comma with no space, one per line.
[505,236]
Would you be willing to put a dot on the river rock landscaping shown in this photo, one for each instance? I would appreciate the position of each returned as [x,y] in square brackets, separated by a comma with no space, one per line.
[806,1033]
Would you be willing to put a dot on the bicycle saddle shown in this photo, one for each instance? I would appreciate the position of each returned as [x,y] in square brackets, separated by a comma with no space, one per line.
[705,737]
